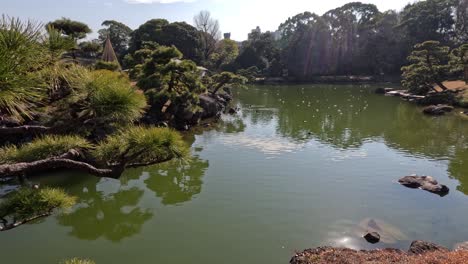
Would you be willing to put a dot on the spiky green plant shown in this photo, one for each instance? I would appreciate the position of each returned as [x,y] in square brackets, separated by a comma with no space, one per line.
[110,97]
[42,148]
[56,43]
[21,55]
[141,145]
[27,203]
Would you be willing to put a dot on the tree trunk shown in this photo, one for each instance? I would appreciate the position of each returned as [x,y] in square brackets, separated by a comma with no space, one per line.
[466,74]
[442,86]
[24,168]
[6,227]
[23,130]
[219,86]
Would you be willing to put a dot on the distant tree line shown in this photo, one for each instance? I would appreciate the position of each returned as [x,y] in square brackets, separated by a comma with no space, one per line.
[355,39]
[359,39]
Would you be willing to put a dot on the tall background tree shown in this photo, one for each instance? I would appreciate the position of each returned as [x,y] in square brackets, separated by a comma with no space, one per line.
[74,29]
[225,53]
[183,36]
[260,50]
[209,32]
[461,28]
[429,20]
[119,35]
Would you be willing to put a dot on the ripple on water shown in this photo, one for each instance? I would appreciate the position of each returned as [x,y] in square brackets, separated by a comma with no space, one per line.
[265,144]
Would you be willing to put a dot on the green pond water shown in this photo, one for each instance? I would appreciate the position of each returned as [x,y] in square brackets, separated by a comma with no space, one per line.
[300,166]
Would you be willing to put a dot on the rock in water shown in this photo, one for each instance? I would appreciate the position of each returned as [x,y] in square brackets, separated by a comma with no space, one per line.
[426,183]
[372,237]
[420,247]
[388,233]
[437,109]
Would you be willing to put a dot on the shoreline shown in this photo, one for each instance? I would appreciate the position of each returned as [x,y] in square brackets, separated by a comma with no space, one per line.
[331,79]
[420,252]
[435,103]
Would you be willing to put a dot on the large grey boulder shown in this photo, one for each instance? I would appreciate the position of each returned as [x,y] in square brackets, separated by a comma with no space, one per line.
[211,105]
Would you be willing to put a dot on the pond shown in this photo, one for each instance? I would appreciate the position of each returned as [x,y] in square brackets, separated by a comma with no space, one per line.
[300,166]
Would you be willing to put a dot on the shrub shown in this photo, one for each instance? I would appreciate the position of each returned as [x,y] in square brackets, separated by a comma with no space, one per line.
[104,65]
[250,73]
[111,97]
[42,148]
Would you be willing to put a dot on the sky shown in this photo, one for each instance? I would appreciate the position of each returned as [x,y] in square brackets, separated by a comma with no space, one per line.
[238,17]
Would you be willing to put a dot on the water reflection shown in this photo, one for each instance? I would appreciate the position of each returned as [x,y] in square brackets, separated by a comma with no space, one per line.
[349,234]
[266,145]
[458,169]
[231,124]
[103,213]
[177,184]
[346,117]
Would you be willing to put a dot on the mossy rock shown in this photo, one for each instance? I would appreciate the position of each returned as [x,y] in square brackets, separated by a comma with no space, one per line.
[448,98]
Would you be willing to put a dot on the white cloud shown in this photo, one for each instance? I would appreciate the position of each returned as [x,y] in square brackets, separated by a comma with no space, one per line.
[158,1]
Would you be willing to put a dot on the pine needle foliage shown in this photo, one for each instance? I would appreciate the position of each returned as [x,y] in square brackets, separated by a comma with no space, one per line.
[141,145]
[45,147]
[21,55]
[111,97]
[28,202]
